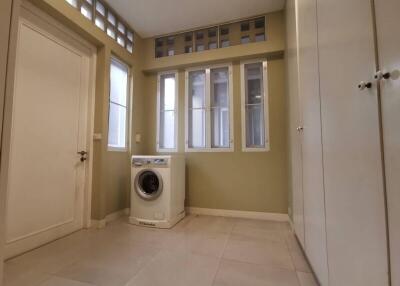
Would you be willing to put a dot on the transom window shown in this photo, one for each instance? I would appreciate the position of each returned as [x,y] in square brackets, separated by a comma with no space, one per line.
[255,135]
[167,110]
[118,106]
[209,109]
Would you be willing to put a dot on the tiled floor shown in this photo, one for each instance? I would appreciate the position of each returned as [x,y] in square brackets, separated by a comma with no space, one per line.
[199,251]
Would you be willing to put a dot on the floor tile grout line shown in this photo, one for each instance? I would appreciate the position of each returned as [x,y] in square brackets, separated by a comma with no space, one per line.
[223,251]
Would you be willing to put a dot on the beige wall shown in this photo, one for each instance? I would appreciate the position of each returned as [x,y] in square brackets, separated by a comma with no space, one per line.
[234,180]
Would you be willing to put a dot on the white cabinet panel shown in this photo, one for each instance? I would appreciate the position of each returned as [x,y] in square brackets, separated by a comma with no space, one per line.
[355,209]
[313,185]
[388,23]
[294,120]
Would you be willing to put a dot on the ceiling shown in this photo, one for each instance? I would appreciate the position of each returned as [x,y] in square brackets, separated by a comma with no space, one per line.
[157,17]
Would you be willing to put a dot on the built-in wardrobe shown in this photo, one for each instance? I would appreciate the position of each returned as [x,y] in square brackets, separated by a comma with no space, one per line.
[343,70]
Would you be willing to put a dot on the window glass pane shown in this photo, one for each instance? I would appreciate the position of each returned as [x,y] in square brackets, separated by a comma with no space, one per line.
[197,88]
[111,18]
[253,73]
[100,8]
[117,126]
[167,130]
[121,40]
[118,83]
[90,2]
[219,107]
[111,32]
[167,92]
[254,126]
[260,37]
[130,36]
[86,11]
[197,128]
[99,23]
[121,27]
[219,87]
[171,52]
[212,45]
[225,43]
[129,47]
[254,109]
[118,105]
[73,3]
[220,127]
[200,47]
[245,40]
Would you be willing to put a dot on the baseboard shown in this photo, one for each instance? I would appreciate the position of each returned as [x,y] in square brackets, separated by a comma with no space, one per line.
[109,218]
[238,214]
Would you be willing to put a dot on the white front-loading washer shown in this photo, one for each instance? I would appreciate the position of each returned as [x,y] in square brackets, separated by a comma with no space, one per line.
[158,190]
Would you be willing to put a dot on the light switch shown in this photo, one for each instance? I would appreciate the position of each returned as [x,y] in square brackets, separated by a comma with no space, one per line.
[138,137]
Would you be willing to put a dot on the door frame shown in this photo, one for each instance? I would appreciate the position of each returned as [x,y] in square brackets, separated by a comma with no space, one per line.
[88,49]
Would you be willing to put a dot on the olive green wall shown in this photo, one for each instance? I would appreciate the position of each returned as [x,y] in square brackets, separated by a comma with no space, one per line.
[249,181]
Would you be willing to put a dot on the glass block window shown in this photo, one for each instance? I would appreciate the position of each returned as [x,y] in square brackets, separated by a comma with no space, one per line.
[250,31]
[103,17]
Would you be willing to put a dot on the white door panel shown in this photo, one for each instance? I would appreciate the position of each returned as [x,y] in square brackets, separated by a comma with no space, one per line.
[388,23]
[313,183]
[355,214]
[294,120]
[46,177]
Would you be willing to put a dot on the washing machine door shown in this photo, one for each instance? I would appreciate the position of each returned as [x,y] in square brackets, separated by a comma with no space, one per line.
[148,184]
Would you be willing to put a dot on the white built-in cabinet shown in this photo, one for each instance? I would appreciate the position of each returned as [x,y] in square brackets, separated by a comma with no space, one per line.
[345,157]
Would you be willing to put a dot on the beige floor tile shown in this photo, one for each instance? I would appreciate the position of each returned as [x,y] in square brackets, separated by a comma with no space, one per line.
[232,273]
[202,224]
[260,224]
[252,233]
[269,254]
[177,269]
[58,281]
[113,265]
[306,279]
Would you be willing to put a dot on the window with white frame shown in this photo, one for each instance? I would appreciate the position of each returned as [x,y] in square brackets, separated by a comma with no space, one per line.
[118,107]
[167,105]
[209,111]
[254,106]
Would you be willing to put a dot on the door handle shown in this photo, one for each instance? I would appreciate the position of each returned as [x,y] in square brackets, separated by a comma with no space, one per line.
[362,85]
[379,75]
[300,128]
[83,155]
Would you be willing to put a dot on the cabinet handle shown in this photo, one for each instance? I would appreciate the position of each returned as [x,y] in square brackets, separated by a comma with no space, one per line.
[362,85]
[379,75]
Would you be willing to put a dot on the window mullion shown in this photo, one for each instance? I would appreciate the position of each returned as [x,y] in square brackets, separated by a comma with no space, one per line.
[208,109]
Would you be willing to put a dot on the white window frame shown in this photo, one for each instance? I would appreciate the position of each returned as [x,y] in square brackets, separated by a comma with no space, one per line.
[208,147]
[176,111]
[128,107]
[265,107]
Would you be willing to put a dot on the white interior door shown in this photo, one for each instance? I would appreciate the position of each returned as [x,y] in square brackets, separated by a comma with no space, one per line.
[355,208]
[313,183]
[388,23]
[49,124]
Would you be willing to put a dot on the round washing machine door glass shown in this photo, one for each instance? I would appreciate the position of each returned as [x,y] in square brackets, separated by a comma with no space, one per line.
[148,184]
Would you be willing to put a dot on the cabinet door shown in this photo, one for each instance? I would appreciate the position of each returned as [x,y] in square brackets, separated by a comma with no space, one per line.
[388,23]
[354,194]
[313,187]
[294,120]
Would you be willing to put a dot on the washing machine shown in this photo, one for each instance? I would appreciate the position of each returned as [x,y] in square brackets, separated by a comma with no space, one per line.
[158,190]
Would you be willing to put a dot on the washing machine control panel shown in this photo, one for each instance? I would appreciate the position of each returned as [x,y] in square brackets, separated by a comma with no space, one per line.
[139,162]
